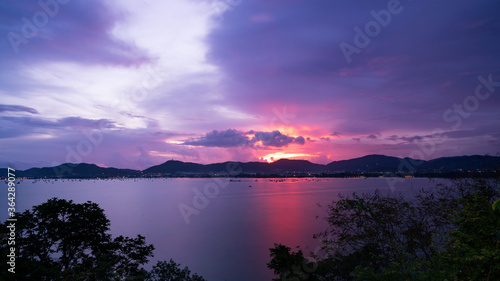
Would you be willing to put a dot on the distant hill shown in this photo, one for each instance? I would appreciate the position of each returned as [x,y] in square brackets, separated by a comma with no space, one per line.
[279,166]
[370,164]
[296,166]
[174,166]
[460,163]
[82,170]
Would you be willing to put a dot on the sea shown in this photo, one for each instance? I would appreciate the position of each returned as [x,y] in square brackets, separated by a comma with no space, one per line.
[220,228]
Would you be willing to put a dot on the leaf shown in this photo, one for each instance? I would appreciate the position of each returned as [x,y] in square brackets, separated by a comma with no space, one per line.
[496,204]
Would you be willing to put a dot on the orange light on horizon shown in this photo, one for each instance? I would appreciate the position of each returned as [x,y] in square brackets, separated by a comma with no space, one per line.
[281,155]
[294,131]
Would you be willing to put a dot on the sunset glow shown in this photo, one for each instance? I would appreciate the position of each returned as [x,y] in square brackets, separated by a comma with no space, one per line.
[283,155]
[131,84]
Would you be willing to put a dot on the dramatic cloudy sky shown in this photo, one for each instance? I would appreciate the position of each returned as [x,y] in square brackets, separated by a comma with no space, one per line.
[133,83]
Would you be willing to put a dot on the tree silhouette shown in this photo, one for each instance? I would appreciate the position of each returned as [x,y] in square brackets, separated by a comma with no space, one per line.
[451,232]
[61,240]
[171,271]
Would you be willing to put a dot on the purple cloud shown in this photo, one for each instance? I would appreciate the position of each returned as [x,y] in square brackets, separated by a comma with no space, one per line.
[407,139]
[299,140]
[274,138]
[11,127]
[60,123]
[235,138]
[77,31]
[227,138]
[17,108]
[392,84]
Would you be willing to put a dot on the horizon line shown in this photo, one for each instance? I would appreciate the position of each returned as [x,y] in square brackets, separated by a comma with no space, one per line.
[264,161]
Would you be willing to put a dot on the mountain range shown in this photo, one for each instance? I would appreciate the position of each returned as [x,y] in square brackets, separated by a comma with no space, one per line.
[370,164]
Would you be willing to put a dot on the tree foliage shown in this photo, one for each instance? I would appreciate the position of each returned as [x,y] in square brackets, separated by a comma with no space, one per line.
[171,271]
[291,266]
[444,233]
[61,240]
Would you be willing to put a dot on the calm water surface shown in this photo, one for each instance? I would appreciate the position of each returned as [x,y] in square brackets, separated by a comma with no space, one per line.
[229,239]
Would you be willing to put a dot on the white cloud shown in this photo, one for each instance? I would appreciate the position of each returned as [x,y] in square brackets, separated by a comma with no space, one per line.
[171,32]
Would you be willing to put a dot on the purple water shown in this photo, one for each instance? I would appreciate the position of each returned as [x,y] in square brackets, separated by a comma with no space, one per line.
[229,238]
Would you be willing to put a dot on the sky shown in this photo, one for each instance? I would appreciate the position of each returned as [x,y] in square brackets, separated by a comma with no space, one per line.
[131,84]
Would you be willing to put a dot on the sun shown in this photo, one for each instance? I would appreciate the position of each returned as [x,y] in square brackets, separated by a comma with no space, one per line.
[281,155]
